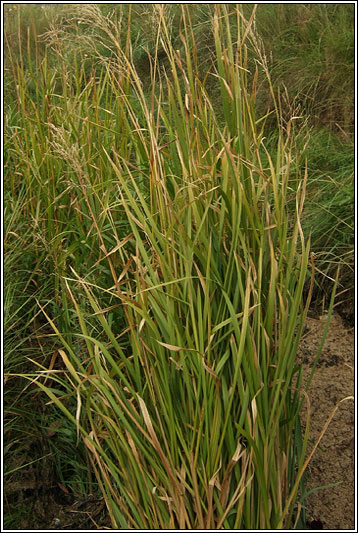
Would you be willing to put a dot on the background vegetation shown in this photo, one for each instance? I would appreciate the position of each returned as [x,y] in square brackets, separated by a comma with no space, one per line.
[78,89]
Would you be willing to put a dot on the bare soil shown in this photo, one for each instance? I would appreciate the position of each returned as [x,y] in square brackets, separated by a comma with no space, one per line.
[333,461]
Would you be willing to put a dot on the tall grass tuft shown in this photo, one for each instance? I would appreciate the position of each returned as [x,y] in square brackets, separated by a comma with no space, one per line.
[187,289]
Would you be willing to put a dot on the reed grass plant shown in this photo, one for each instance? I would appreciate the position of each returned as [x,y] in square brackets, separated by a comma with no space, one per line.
[178,271]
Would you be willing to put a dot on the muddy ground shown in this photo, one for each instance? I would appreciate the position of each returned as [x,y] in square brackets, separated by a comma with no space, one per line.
[52,507]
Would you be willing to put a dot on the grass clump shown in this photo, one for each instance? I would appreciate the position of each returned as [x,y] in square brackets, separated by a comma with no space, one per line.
[170,233]
[189,415]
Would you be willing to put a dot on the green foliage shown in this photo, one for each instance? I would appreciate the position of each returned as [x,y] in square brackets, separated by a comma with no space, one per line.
[329,216]
[311,52]
[154,256]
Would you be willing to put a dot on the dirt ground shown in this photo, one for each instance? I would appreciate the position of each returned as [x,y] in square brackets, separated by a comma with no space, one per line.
[333,462]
